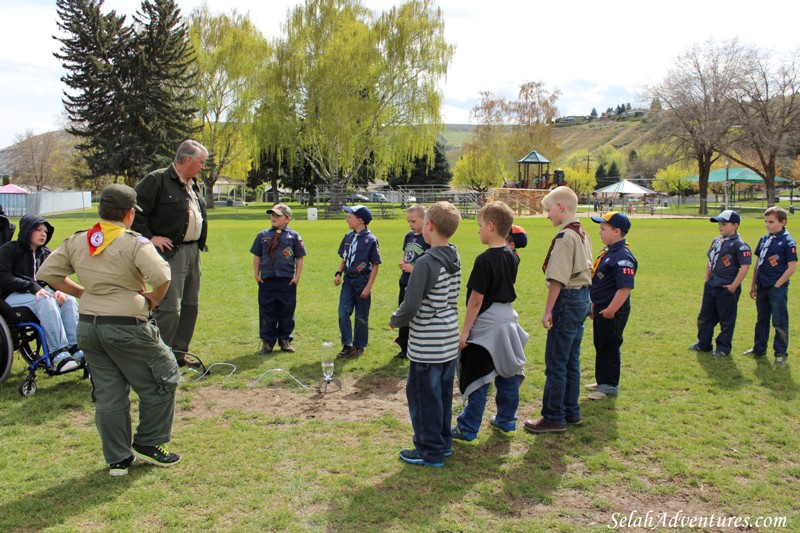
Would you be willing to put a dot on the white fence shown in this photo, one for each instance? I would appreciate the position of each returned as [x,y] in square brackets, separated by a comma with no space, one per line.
[45,202]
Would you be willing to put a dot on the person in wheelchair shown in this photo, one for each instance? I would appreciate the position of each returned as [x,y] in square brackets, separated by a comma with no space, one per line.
[57,312]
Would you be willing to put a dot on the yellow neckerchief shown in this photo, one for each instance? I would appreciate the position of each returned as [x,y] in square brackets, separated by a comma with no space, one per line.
[101,235]
[602,254]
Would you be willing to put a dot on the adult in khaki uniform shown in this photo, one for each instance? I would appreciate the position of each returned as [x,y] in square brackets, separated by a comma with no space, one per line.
[122,347]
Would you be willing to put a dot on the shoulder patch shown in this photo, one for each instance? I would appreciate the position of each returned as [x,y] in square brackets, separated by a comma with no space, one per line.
[625,263]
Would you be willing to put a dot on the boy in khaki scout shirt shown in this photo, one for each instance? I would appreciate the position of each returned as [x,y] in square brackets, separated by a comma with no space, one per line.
[122,347]
[568,274]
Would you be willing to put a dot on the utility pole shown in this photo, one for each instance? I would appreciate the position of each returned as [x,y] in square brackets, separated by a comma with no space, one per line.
[588,157]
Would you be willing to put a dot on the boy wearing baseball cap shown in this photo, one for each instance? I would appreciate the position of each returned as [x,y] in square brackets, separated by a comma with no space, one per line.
[278,254]
[729,259]
[612,281]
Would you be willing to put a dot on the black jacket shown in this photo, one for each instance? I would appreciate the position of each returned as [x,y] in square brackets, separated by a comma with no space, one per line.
[165,209]
[18,263]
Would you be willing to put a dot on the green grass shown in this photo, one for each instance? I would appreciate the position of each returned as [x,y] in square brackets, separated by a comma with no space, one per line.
[689,433]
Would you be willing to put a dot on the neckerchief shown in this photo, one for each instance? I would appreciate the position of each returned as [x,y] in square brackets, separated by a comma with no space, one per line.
[351,253]
[714,254]
[101,235]
[764,249]
[574,226]
[273,244]
[602,254]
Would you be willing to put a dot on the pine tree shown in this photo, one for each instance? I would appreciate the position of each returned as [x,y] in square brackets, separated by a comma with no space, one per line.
[600,172]
[613,170]
[593,114]
[419,173]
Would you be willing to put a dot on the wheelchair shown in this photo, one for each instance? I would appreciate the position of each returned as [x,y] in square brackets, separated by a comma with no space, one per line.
[20,331]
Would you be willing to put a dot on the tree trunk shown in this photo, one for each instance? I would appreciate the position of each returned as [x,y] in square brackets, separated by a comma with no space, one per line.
[209,182]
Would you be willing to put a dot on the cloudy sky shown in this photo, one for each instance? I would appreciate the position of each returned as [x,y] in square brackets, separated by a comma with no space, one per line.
[597,54]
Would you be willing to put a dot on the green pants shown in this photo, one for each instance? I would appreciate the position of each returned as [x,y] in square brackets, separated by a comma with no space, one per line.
[176,315]
[121,357]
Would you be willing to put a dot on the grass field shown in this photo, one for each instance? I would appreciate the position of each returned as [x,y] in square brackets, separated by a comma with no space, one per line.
[690,436]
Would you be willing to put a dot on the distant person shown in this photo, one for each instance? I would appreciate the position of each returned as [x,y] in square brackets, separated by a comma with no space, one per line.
[278,256]
[356,274]
[729,259]
[414,246]
[492,342]
[517,238]
[568,273]
[612,282]
[123,348]
[777,261]
[57,312]
[430,310]
[173,217]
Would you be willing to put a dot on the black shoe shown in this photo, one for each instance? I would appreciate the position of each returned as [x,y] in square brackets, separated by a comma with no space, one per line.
[155,455]
[346,353]
[120,468]
[266,348]
[401,355]
[286,345]
[697,348]
[188,361]
[754,353]
[575,422]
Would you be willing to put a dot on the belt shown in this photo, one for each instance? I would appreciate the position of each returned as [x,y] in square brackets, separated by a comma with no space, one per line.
[113,320]
[189,242]
[355,275]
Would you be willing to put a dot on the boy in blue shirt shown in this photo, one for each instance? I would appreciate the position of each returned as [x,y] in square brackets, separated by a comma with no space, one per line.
[278,254]
[356,274]
[729,260]
[414,246]
[777,261]
[612,282]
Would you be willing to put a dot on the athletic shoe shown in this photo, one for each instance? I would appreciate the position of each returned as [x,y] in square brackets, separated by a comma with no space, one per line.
[346,353]
[266,348]
[64,363]
[448,453]
[401,355]
[597,395]
[120,468]
[591,386]
[357,352]
[458,436]
[542,425]
[697,348]
[508,428]
[719,353]
[780,361]
[286,345]
[754,353]
[414,458]
[577,422]
[155,455]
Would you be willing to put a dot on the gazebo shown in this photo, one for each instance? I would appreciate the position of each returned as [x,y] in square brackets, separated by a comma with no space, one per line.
[540,179]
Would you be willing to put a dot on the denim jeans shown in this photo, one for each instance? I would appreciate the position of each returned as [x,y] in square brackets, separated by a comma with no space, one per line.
[429,392]
[349,299]
[277,300]
[506,398]
[562,356]
[60,322]
[719,306]
[607,341]
[772,302]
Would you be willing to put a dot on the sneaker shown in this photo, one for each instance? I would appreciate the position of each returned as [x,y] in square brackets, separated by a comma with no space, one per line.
[458,436]
[507,428]
[155,455]
[346,353]
[542,425]
[780,361]
[448,453]
[78,357]
[120,468]
[266,348]
[719,353]
[597,395]
[64,363]
[414,458]
[286,345]
[697,348]
[401,355]
[577,422]
[754,353]
[591,386]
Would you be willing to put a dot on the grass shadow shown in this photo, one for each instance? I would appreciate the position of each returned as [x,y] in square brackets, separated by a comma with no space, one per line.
[777,379]
[722,370]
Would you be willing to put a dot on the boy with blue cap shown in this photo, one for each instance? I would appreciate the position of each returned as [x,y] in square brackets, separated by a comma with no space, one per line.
[356,273]
[729,259]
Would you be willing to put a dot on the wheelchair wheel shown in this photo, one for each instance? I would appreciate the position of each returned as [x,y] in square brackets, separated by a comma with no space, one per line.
[6,350]
[27,387]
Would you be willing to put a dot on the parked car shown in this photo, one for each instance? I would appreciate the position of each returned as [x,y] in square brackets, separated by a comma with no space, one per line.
[377,197]
[355,197]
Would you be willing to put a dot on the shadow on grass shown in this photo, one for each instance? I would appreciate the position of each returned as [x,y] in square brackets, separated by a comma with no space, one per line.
[777,379]
[722,370]
[71,392]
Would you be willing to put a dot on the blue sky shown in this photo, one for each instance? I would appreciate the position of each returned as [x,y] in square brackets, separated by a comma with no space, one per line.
[597,54]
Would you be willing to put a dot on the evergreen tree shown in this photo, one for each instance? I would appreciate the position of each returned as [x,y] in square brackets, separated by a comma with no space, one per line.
[600,172]
[613,170]
[419,173]
[593,114]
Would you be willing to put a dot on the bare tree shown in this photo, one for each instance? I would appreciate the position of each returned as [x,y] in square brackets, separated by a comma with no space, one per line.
[696,101]
[767,105]
[38,159]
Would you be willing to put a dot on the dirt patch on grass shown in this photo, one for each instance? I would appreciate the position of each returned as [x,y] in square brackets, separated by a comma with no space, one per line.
[357,400]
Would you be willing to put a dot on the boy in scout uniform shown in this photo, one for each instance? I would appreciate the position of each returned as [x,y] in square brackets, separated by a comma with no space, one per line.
[122,347]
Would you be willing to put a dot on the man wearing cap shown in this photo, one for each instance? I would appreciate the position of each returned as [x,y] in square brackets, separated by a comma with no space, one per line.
[361,258]
[124,350]
[278,254]
[729,259]
[173,216]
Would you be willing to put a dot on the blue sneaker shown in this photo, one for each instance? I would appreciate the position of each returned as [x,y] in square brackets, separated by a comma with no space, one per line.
[506,428]
[463,438]
[412,457]
[448,453]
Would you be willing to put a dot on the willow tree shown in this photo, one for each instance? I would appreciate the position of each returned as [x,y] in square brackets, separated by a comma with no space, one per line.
[230,54]
[349,87]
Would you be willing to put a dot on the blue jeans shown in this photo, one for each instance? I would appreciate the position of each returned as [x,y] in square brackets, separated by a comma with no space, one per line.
[607,342]
[562,356]
[349,299]
[772,302]
[60,322]
[429,392]
[277,300]
[719,307]
[506,398]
